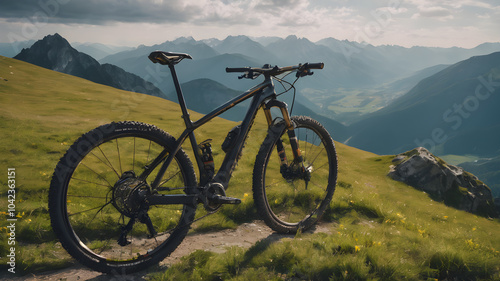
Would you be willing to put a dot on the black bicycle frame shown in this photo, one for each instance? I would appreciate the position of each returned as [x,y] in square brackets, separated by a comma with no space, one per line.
[259,95]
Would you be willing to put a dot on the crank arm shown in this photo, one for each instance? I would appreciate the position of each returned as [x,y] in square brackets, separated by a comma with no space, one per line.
[218,199]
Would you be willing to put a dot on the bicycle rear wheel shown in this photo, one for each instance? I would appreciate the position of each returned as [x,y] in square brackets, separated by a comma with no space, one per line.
[93,199]
[294,195]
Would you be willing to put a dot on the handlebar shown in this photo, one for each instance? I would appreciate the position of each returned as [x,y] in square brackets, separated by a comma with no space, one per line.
[238,69]
[253,72]
[317,65]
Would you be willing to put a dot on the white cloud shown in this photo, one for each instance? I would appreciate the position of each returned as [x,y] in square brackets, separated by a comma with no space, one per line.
[434,12]
[381,21]
[471,3]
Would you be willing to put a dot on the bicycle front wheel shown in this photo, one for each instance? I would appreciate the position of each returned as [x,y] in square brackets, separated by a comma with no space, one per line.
[93,202]
[292,195]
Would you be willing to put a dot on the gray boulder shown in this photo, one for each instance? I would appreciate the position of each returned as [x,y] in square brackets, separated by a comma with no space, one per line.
[457,188]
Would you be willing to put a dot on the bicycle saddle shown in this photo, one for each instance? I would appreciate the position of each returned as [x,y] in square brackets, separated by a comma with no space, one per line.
[167,58]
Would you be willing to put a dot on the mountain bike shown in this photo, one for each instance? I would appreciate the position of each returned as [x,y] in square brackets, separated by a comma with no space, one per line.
[125,194]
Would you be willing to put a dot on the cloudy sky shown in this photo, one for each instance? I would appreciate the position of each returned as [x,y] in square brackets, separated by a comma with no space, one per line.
[443,23]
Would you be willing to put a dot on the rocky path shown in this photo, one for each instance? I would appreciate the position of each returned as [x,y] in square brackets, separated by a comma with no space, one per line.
[245,236]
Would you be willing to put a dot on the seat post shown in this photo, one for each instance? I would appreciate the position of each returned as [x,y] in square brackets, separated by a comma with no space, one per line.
[180,97]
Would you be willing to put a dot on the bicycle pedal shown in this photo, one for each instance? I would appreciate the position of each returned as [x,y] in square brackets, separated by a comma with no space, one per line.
[225,200]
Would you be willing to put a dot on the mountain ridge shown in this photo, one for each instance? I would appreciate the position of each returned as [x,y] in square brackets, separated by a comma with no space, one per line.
[55,53]
[440,108]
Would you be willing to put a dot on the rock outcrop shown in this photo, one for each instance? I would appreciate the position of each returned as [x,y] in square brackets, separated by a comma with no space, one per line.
[457,188]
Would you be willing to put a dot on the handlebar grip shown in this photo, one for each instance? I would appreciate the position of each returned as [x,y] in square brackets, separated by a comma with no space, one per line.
[237,69]
[318,65]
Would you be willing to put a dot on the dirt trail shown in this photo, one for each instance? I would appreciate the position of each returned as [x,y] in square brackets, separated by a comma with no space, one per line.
[245,236]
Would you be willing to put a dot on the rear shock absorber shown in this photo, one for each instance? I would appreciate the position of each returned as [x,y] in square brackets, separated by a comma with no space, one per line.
[205,151]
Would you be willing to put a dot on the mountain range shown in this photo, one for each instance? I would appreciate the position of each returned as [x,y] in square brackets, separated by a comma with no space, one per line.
[357,78]
[55,53]
[359,66]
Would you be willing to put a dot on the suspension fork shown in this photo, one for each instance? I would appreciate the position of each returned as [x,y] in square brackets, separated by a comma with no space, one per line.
[297,156]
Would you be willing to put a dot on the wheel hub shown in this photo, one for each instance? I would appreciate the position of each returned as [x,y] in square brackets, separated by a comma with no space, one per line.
[296,171]
[127,194]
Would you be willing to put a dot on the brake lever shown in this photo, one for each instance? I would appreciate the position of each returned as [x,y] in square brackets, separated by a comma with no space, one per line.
[304,71]
[249,75]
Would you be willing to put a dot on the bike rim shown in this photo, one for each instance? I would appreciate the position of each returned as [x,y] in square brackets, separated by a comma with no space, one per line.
[94,208]
[293,201]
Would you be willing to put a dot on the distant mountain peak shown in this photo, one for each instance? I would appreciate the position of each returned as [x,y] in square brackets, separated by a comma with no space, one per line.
[239,41]
[52,52]
[295,38]
[184,39]
[55,40]
[237,38]
[55,35]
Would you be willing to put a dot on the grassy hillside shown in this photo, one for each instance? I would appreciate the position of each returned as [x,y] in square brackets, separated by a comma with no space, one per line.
[380,229]
[41,113]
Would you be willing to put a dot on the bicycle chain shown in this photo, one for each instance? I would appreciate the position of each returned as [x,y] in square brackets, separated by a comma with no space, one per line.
[184,225]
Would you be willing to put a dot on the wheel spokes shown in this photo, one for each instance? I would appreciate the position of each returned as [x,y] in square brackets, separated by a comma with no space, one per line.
[96,220]
[297,195]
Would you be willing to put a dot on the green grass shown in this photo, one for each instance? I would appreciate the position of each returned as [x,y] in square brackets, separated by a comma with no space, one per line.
[380,229]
